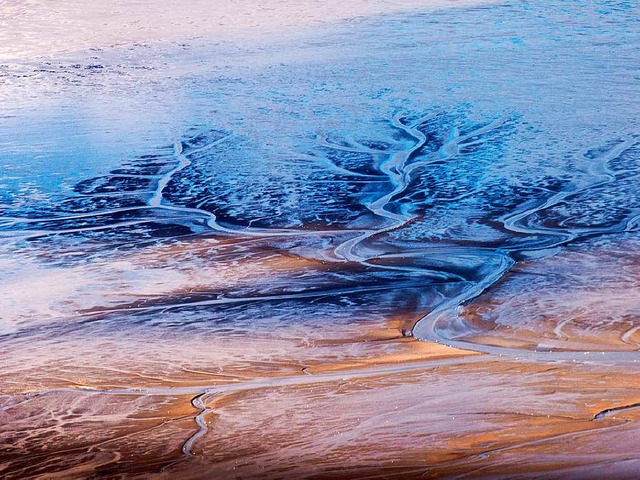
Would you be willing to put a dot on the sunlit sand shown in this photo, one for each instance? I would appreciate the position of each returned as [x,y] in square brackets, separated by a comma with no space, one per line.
[300,239]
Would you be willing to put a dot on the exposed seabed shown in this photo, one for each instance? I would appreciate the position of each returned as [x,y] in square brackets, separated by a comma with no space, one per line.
[393,246]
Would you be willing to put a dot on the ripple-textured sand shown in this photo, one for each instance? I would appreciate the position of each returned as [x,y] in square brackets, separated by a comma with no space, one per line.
[247,258]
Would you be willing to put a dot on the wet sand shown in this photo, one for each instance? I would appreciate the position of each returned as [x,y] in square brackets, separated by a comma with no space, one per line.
[312,400]
[261,242]
[425,414]
[582,299]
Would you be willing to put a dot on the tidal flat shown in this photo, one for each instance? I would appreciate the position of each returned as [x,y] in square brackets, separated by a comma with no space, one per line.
[300,239]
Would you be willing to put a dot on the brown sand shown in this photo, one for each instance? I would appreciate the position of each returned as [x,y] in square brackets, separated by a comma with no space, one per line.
[305,399]
[475,416]
[98,385]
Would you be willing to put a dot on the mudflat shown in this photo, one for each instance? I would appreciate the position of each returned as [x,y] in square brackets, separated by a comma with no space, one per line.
[319,240]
